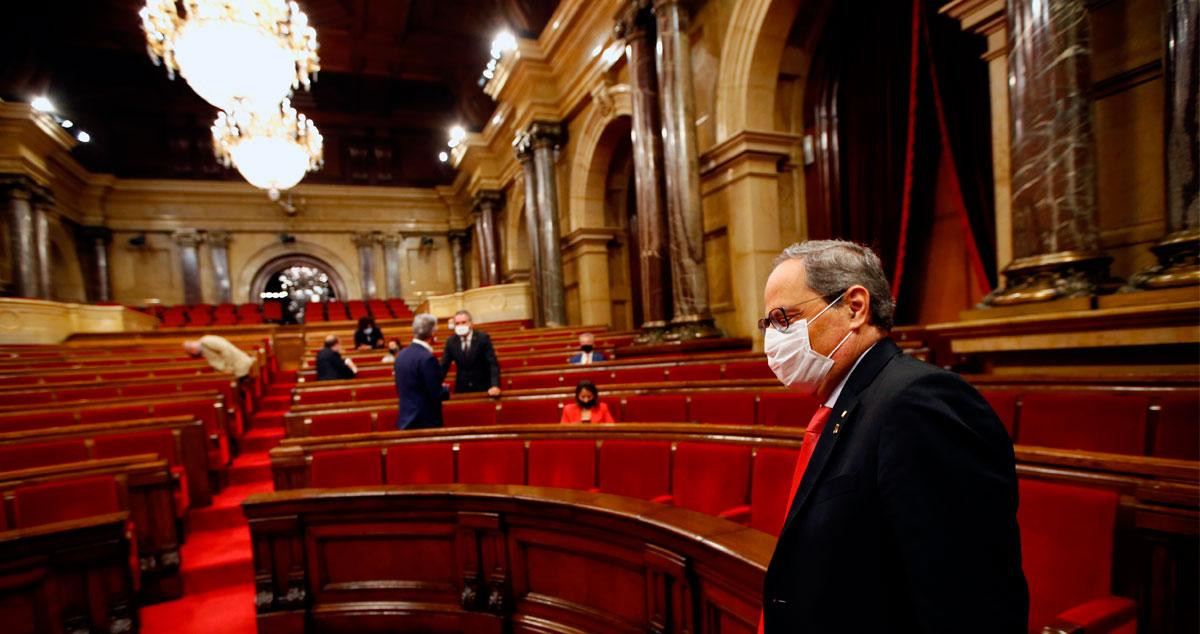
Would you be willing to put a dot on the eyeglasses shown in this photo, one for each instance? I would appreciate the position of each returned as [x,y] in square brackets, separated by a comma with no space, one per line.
[778,317]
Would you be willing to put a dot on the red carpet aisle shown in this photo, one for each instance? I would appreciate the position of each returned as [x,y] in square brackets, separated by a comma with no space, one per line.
[218,573]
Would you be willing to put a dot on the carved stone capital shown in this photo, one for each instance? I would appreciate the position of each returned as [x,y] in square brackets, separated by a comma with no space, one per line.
[391,240]
[187,238]
[364,240]
[94,233]
[632,19]
[539,134]
[217,238]
[16,186]
[458,236]
[492,199]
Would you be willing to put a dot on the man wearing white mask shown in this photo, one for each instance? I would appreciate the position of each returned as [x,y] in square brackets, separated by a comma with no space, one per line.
[472,353]
[903,512]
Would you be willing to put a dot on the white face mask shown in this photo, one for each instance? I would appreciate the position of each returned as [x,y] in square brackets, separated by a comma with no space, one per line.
[461,330]
[368,330]
[792,358]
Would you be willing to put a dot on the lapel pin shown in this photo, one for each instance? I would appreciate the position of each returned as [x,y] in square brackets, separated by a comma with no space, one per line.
[836,428]
[844,412]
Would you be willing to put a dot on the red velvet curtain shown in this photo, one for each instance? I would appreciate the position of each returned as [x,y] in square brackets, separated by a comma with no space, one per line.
[892,83]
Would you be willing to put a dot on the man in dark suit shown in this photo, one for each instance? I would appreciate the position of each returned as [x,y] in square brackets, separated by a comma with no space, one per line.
[419,379]
[587,351]
[331,365]
[903,516]
[472,353]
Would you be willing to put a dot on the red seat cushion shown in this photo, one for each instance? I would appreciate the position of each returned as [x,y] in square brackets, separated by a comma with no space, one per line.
[492,462]
[1087,421]
[114,413]
[695,372]
[655,408]
[346,468]
[748,370]
[567,464]
[635,468]
[789,409]
[639,375]
[1004,403]
[29,456]
[1066,546]
[728,408]
[517,412]
[375,393]
[39,420]
[420,464]
[534,381]
[468,414]
[64,500]
[342,423]
[770,488]
[155,442]
[1177,434]
[710,478]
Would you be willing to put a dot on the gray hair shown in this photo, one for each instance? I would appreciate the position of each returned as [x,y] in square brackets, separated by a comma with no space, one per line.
[464,311]
[423,326]
[832,266]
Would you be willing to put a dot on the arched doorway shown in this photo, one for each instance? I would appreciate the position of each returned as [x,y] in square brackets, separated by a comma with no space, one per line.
[620,210]
[293,282]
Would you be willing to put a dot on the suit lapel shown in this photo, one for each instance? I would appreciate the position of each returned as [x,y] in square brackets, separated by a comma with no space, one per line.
[839,419]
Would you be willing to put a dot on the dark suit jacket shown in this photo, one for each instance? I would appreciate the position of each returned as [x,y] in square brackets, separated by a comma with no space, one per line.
[905,520]
[330,365]
[419,387]
[477,370]
[597,357]
[375,339]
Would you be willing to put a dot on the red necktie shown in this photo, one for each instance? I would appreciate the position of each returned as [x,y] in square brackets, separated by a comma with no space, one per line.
[812,434]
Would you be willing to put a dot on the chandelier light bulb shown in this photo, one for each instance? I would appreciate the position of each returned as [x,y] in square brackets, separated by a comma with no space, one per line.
[271,150]
[248,51]
[67,123]
[84,137]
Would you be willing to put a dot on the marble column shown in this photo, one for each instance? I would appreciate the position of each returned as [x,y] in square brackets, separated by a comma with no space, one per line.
[17,198]
[636,27]
[1056,243]
[487,204]
[546,138]
[365,242]
[218,244]
[1179,252]
[42,202]
[523,146]
[189,241]
[685,222]
[458,243]
[97,240]
[392,242]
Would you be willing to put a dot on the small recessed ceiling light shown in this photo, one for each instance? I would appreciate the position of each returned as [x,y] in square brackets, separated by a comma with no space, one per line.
[443,157]
[596,51]
[555,25]
[66,123]
[42,104]
[84,137]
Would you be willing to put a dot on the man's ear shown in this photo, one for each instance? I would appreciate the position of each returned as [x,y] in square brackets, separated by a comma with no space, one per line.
[859,301]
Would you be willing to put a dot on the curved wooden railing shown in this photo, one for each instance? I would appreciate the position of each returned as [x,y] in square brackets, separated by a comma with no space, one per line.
[498,558]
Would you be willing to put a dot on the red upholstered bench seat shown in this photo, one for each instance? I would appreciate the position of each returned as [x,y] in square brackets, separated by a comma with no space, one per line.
[161,443]
[346,467]
[1067,554]
[420,464]
[1085,420]
[492,462]
[32,455]
[566,464]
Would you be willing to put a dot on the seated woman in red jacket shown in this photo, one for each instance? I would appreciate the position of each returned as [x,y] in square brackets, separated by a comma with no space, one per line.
[587,407]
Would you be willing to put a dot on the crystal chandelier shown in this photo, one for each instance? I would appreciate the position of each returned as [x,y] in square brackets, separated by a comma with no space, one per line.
[229,50]
[272,150]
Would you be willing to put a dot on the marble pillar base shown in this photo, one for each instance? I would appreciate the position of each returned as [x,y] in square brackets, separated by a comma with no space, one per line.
[689,327]
[651,332]
[1044,278]
[1178,263]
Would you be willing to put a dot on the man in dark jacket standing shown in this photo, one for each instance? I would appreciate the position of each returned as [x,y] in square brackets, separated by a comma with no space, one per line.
[419,379]
[331,365]
[472,352]
[903,513]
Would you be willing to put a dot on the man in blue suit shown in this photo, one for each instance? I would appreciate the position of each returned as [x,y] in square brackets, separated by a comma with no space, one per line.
[419,379]
[587,351]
